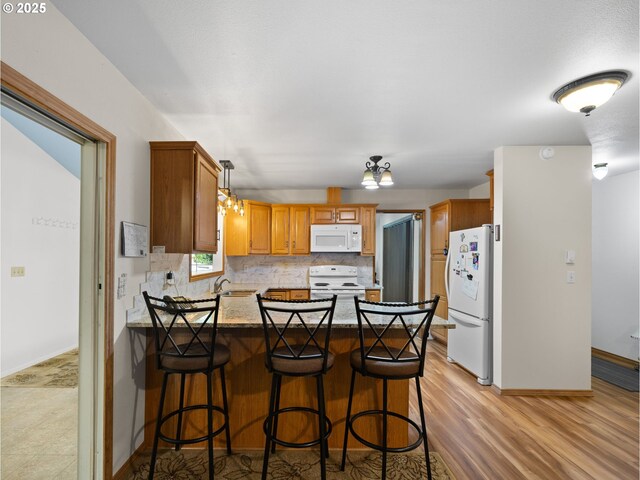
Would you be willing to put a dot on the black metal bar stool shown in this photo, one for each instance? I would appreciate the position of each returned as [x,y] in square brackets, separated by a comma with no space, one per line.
[194,350]
[297,334]
[379,360]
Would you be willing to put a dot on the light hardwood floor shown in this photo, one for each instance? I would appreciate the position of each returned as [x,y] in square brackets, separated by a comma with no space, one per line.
[482,435]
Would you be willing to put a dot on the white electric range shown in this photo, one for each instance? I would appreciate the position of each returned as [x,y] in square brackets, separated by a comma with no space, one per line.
[341,280]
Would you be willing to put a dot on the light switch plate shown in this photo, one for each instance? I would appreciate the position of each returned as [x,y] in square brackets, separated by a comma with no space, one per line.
[570,257]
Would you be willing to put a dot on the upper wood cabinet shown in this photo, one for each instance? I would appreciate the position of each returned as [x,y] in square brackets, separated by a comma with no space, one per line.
[490,175]
[249,234]
[290,230]
[368,221]
[184,196]
[335,214]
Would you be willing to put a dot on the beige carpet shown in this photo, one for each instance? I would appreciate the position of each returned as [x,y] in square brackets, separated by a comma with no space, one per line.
[291,465]
[58,372]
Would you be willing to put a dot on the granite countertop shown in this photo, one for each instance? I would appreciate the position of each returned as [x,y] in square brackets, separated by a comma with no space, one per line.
[243,312]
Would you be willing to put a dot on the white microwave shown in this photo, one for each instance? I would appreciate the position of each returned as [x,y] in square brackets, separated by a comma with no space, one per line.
[336,238]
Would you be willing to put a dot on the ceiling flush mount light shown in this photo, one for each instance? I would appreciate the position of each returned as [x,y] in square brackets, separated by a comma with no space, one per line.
[600,170]
[376,175]
[588,93]
[229,201]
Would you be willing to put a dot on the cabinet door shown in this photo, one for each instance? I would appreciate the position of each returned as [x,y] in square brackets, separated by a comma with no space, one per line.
[298,294]
[372,295]
[300,231]
[278,294]
[206,201]
[260,229]
[236,234]
[439,229]
[323,215]
[368,221]
[280,230]
[347,215]
[438,263]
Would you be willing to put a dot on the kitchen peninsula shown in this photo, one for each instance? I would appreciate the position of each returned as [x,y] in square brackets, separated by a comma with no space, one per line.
[248,381]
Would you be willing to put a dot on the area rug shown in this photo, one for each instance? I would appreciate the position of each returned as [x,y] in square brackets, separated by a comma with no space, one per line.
[610,372]
[58,372]
[291,465]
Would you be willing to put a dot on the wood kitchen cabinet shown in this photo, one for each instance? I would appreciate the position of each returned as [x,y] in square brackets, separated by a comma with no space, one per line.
[335,214]
[449,216]
[284,294]
[372,294]
[184,198]
[368,222]
[290,230]
[249,234]
[490,175]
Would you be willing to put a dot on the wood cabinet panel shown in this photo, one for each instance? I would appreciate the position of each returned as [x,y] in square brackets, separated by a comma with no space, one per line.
[184,189]
[280,230]
[368,221]
[206,206]
[490,175]
[439,229]
[372,295]
[438,264]
[260,229]
[322,215]
[468,214]
[302,294]
[300,235]
[347,215]
[277,294]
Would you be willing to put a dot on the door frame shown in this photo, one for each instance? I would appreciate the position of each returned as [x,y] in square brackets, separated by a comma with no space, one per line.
[50,104]
[421,249]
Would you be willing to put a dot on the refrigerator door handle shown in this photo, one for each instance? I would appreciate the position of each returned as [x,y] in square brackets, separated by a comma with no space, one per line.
[466,319]
[446,275]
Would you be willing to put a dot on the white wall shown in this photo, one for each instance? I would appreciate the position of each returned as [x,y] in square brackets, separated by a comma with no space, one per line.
[480,191]
[616,247]
[542,325]
[41,232]
[49,50]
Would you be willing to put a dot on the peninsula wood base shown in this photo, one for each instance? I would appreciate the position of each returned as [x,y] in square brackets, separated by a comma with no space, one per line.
[248,387]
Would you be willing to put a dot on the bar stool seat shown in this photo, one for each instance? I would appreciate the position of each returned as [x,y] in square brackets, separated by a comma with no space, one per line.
[196,361]
[379,362]
[308,363]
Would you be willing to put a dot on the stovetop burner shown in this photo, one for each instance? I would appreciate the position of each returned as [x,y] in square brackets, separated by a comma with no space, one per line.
[320,284]
[349,284]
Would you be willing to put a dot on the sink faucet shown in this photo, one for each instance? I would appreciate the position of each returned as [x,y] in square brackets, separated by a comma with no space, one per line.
[217,286]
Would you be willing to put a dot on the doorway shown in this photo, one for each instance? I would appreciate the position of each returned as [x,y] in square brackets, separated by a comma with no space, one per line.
[95,271]
[400,254]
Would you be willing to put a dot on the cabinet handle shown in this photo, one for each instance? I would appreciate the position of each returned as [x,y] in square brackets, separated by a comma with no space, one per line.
[364,243]
[294,244]
[250,243]
[333,215]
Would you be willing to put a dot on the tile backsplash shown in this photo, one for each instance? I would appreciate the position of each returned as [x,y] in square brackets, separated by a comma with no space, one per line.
[264,269]
[285,270]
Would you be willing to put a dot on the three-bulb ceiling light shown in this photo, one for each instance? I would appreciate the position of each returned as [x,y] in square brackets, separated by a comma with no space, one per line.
[376,175]
[588,93]
[231,201]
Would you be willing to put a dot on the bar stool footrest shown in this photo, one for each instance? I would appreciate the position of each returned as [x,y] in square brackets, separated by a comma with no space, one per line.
[380,448]
[189,441]
[294,444]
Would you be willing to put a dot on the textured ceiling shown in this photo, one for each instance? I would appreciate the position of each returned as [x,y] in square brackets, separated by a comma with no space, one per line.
[298,94]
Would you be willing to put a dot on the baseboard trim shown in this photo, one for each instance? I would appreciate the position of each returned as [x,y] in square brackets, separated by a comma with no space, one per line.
[126,470]
[525,392]
[613,358]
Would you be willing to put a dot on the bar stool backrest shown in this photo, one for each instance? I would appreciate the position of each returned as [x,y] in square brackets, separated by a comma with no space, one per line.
[196,322]
[378,319]
[297,329]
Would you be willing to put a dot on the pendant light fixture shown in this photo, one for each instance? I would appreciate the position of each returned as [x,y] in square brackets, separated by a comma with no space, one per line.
[231,201]
[588,93]
[376,175]
[600,170]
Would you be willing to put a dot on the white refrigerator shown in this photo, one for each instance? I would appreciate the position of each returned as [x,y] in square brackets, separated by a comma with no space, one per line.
[468,280]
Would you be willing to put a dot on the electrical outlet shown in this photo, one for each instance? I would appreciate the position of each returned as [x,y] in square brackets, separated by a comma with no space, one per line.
[17,271]
[571,276]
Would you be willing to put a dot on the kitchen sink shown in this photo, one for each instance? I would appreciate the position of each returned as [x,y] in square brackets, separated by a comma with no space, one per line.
[237,293]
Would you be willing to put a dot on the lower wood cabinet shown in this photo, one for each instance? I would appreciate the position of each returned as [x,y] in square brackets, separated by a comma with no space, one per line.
[284,294]
[372,295]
